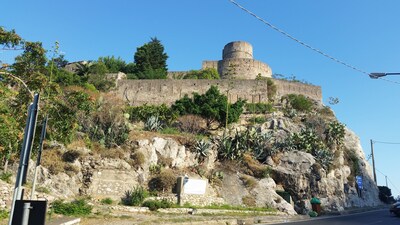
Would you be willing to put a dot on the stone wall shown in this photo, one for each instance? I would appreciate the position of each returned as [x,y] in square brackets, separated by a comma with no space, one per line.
[238,63]
[157,92]
[237,49]
[236,68]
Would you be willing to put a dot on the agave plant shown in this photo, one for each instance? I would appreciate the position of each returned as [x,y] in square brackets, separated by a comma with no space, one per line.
[153,124]
[202,150]
[232,148]
[324,157]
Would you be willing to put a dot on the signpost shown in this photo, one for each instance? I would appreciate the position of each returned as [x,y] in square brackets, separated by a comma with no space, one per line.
[25,212]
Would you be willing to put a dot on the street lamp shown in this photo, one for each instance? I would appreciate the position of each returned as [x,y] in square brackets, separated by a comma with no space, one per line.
[378,75]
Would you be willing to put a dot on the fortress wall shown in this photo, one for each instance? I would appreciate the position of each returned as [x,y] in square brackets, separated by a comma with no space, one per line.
[243,69]
[157,92]
[176,74]
[237,49]
[287,87]
[210,64]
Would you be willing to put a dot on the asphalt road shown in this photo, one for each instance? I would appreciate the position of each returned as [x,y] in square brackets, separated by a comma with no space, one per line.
[377,217]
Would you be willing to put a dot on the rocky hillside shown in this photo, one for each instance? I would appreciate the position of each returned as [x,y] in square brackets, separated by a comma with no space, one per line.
[257,162]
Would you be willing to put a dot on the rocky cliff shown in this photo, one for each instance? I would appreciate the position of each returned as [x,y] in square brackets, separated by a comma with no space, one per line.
[286,174]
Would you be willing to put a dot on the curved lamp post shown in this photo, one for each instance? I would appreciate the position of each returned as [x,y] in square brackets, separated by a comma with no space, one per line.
[378,75]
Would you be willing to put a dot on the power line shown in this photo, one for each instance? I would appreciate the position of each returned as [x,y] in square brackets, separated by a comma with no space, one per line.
[384,142]
[393,185]
[305,44]
[389,180]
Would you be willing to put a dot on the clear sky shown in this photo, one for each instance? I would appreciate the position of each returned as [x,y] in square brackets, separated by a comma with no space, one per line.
[362,33]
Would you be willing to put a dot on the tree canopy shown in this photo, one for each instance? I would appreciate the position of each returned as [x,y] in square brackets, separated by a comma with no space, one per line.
[9,39]
[212,106]
[208,73]
[151,61]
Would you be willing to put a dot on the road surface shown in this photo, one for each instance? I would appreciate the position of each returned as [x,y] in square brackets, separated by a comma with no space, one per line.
[377,217]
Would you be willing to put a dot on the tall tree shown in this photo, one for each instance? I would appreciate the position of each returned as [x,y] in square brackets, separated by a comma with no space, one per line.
[114,65]
[151,60]
[212,106]
[9,39]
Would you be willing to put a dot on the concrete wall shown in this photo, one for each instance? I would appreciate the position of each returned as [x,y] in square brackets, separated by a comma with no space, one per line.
[157,92]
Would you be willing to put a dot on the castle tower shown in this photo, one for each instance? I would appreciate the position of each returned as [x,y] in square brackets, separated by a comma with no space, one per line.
[237,49]
[238,63]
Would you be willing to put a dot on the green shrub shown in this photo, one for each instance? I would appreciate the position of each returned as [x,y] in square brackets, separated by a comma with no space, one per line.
[138,159]
[135,197]
[259,108]
[307,140]
[107,124]
[170,130]
[155,169]
[326,111]
[212,106]
[6,176]
[153,205]
[257,120]
[165,181]
[313,214]
[74,208]
[70,156]
[208,73]
[43,189]
[4,214]
[299,102]
[142,113]
[107,201]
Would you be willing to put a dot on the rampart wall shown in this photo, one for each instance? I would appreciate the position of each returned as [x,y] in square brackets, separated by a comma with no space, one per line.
[239,68]
[157,92]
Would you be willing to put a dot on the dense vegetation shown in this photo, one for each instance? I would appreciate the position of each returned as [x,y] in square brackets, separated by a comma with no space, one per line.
[81,107]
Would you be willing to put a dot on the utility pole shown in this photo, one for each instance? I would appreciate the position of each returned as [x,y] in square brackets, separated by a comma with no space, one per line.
[373,160]
[386,180]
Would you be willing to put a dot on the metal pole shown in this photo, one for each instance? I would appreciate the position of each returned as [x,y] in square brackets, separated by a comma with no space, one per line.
[29,134]
[373,160]
[39,157]
[25,213]
[386,180]
[18,182]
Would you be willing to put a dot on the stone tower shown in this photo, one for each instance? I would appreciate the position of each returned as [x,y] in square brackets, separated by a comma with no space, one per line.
[238,63]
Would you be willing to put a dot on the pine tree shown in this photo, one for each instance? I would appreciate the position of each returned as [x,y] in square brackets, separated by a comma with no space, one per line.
[151,60]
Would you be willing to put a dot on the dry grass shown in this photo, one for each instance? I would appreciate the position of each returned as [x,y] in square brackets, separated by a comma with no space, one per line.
[138,159]
[249,181]
[249,200]
[255,168]
[52,160]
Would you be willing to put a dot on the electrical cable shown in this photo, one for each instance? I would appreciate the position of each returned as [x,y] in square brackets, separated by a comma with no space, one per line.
[305,44]
[393,185]
[388,179]
[384,142]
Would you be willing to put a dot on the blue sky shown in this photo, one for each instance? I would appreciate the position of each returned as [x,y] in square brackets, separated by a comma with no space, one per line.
[362,33]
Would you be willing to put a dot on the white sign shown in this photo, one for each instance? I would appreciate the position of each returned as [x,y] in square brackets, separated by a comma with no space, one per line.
[194,186]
